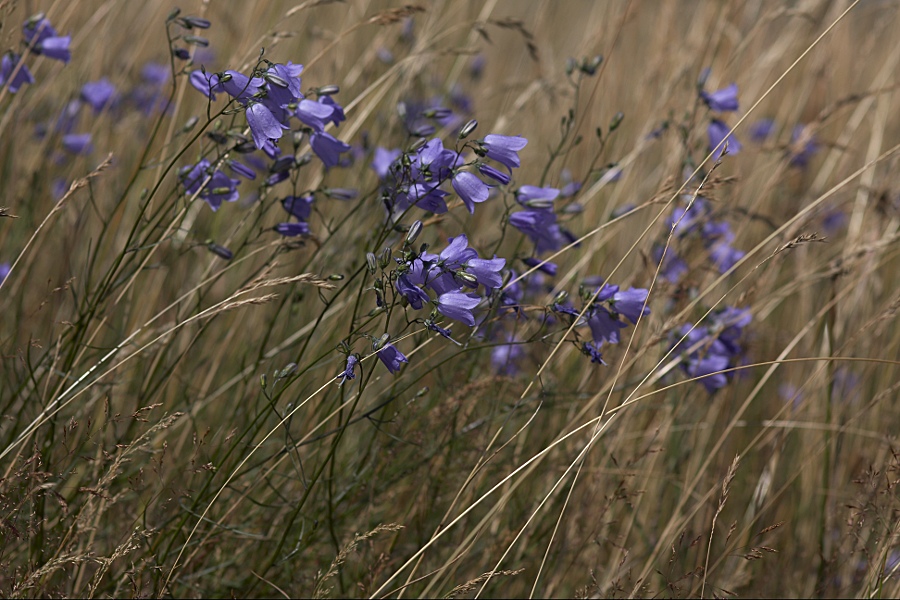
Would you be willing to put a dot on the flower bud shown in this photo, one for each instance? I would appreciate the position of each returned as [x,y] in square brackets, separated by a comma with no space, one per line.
[467,129]
[413,233]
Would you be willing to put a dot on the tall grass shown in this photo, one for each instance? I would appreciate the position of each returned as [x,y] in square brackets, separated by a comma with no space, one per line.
[174,420]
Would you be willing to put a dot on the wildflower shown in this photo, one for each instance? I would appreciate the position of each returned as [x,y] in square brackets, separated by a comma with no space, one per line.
[631,303]
[239,86]
[299,206]
[204,83]
[349,370]
[8,65]
[540,225]
[314,114]
[219,187]
[263,124]
[604,326]
[718,131]
[242,169]
[486,271]
[504,149]
[5,268]
[98,94]
[762,129]
[327,148]
[724,100]
[390,356]
[44,39]
[505,357]
[459,306]
[382,161]
[77,143]
[413,294]
[536,197]
[471,189]
[592,349]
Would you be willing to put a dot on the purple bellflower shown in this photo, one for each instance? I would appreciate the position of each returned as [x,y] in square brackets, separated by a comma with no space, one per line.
[504,149]
[724,100]
[7,66]
[392,358]
[98,94]
[718,131]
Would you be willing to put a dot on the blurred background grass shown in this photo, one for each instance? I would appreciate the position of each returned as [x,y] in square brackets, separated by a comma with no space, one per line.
[103,497]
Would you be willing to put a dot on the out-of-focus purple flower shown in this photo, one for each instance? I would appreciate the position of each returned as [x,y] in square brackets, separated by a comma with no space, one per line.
[834,221]
[476,66]
[7,65]
[154,73]
[299,206]
[392,358]
[539,225]
[761,130]
[549,268]
[56,48]
[803,146]
[314,114]
[459,306]
[504,149]
[604,327]
[382,161]
[206,83]
[724,100]
[5,268]
[630,304]
[724,256]
[349,371]
[718,131]
[263,124]
[77,143]
[292,229]
[471,189]
[505,357]
[98,94]
[536,197]
[220,188]
[706,368]
[673,267]
[327,148]
[45,40]
[592,349]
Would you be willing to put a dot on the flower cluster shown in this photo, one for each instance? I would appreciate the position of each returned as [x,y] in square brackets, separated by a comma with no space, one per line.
[453,276]
[606,307]
[708,350]
[695,220]
[40,36]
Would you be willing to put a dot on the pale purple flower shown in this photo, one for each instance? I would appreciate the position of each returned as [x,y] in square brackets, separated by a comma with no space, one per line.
[391,357]
[299,206]
[630,303]
[7,65]
[504,149]
[459,306]
[207,84]
[263,124]
[77,143]
[471,189]
[536,197]
[718,131]
[724,100]
[239,86]
[314,114]
[327,148]
[98,93]
[498,176]
[487,271]
[604,327]
[349,370]
[383,159]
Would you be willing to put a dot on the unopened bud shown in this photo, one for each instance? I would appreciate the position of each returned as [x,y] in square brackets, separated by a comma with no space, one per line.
[467,129]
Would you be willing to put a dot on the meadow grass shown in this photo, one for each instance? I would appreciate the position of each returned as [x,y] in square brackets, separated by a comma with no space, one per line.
[174,417]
